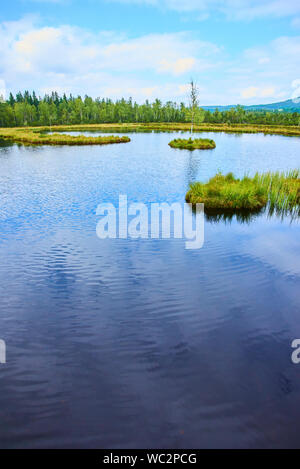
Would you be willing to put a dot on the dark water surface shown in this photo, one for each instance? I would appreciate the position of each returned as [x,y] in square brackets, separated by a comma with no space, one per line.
[142,343]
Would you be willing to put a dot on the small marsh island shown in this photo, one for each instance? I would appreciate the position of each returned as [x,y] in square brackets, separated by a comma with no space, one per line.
[193,144]
[40,136]
[281,191]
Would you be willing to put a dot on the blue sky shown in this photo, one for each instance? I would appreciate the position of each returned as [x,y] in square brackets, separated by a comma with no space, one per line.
[238,51]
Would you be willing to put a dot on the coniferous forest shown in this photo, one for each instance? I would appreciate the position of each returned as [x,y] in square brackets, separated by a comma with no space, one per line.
[27,109]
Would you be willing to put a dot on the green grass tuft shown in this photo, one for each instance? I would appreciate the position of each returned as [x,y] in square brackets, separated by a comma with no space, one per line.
[193,144]
[280,191]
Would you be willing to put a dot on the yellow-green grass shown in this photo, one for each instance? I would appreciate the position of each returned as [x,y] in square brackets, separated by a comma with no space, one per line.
[280,191]
[288,130]
[193,144]
[184,127]
[38,136]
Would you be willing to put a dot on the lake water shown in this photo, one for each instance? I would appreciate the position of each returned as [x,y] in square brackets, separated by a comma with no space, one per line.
[143,343]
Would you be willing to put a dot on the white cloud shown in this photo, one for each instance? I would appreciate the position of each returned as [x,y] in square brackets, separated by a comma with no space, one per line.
[2,89]
[296,91]
[282,54]
[250,92]
[259,75]
[69,59]
[267,72]
[178,66]
[264,60]
[232,9]
[72,59]
[169,91]
[257,92]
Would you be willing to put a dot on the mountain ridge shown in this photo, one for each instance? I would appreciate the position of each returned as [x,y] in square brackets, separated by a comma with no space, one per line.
[290,105]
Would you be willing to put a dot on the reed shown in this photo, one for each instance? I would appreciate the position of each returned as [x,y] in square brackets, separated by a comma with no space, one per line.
[193,144]
[280,191]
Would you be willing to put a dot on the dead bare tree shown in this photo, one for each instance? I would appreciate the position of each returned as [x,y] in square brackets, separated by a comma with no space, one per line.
[194,98]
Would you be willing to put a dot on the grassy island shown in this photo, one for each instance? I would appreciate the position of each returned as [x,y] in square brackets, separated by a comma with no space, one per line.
[38,136]
[281,191]
[193,144]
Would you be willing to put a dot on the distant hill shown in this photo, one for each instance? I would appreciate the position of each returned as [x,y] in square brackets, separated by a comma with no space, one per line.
[283,106]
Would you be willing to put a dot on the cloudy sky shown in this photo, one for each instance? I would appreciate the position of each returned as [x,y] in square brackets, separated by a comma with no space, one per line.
[238,51]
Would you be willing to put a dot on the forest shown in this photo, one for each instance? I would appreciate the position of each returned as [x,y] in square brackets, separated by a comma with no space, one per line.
[26,109]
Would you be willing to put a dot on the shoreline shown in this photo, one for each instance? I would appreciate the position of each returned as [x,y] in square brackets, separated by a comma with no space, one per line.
[37,135]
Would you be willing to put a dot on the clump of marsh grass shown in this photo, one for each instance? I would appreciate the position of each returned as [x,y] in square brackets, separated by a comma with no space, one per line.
[283,189]
[279,191]
[33,136]
[193,144]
